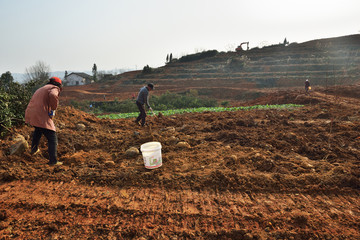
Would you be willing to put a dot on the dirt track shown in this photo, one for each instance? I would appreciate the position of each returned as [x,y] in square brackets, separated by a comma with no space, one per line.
[263,174]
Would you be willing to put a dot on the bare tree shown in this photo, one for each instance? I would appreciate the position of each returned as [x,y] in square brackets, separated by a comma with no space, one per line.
[230,47]
[37,75]
[39,72]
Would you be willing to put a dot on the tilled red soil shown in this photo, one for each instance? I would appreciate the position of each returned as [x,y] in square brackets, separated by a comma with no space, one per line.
[261,174]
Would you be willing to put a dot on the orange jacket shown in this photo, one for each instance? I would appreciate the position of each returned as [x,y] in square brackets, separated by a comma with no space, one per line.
[44,99]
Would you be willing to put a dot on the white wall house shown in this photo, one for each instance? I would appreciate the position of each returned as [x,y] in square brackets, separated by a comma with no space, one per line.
[77,78]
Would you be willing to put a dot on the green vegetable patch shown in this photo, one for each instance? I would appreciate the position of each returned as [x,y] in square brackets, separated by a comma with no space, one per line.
[202,109]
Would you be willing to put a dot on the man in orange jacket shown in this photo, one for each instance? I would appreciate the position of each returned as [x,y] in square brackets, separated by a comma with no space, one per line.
[39,114]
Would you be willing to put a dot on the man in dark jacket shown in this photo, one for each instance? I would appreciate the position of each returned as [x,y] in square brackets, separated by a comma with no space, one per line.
[141,101]
[307,86]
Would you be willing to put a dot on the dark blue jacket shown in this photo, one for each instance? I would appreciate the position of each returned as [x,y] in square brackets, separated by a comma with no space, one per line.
[143,96]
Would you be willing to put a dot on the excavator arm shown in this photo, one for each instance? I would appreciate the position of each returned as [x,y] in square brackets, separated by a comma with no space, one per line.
[239,48]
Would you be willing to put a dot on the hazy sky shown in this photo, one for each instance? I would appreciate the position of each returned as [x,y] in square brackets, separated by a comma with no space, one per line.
[74,34]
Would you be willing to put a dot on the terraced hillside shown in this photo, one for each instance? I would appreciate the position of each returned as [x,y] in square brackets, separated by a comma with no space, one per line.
[241,75]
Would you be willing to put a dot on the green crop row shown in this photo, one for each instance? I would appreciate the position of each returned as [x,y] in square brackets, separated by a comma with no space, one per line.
[202,109]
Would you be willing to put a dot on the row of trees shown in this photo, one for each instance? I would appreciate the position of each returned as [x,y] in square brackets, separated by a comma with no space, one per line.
[169,58]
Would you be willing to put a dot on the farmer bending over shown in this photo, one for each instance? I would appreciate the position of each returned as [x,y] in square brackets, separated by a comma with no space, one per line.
[142,99]
[39,114]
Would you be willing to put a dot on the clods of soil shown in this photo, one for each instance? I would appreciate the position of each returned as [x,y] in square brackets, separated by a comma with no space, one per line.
[260,174]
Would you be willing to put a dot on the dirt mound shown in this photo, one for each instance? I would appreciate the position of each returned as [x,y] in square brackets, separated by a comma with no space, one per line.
[261,174]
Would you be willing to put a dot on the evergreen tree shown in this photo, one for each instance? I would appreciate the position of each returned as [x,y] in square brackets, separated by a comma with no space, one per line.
[94,71]
[65,78]
[6,80]
[285,42]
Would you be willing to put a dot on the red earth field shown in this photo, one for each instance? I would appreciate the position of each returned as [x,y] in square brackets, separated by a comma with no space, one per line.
[260,174]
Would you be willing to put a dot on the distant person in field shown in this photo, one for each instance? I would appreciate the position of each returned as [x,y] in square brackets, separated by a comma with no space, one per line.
[39,114]
[141,101]
[307,86]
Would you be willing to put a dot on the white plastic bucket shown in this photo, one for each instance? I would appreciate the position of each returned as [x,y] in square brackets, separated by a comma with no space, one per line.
[151,152]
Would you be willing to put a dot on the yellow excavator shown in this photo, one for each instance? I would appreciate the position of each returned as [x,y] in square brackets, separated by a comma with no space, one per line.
[240,49]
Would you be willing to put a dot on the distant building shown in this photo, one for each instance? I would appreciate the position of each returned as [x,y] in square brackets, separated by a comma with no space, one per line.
[78,78]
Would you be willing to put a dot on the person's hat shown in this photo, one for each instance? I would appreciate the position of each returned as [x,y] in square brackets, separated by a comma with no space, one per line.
[150,85]
[56,79]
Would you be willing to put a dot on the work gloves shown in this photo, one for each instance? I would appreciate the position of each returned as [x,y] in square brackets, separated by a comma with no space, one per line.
[52,113]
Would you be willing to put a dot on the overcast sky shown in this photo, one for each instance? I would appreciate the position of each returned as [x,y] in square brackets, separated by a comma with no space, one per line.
[72,35]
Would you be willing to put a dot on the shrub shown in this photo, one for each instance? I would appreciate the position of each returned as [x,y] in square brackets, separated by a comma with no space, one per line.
[236,64]
[177,101]
[6,115]
[224,103]
[161,103]
[198,56]
[14,99]
[146,70]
